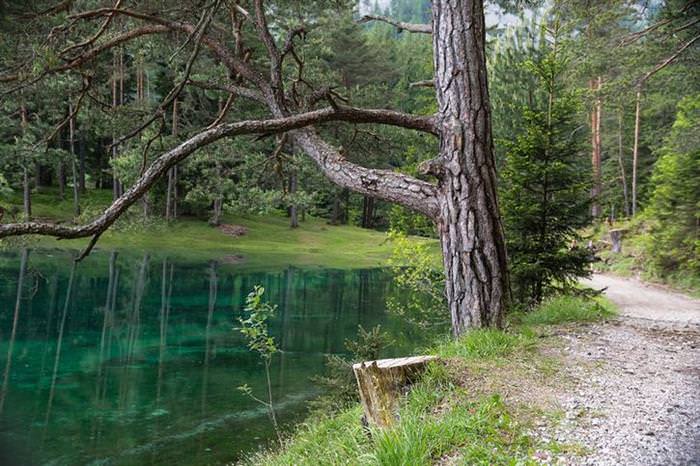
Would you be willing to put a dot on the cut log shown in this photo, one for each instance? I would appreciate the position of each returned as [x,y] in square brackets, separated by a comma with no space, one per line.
[616,238]
[380,383]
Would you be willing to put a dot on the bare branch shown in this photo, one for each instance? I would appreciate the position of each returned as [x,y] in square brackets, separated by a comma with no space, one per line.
[424,83]
[95,36]
[663,64]
[230,88]
[415,194]
[400,25]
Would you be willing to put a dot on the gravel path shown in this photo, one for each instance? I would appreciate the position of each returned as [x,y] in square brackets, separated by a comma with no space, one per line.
[636,399]
[644,301]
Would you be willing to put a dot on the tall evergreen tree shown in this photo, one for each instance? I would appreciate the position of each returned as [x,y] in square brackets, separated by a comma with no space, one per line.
[544,189]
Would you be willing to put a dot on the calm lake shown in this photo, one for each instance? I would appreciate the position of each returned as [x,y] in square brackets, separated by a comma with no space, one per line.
[133,359]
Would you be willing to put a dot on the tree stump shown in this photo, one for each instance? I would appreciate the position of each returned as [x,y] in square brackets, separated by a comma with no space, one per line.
[616,238]
[380,383]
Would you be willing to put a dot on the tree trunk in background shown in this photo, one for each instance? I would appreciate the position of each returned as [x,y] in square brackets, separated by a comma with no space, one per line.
[293,215]
[81,172]
[26,195]
[367,212]
[171,193]
[596,189]
[635,149]
[26,188]
[74,165]
[621,162]
[469,224]
[215,219]
[61,178]
[115,77]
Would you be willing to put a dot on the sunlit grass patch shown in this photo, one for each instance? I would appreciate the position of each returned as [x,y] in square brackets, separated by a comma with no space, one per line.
[485,344]
[566,309]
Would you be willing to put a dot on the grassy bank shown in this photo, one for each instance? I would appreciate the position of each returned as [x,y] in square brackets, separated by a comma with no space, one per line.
[478,406]
[268,241]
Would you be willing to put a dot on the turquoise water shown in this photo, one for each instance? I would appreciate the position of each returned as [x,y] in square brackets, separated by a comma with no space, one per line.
[128,359]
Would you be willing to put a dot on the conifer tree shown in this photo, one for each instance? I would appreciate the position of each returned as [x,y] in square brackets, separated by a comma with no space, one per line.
[545,190]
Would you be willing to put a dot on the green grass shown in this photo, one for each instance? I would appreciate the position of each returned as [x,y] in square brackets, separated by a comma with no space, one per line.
[444,416]
[269,242]
[436,419]
[486,344]
[566,309]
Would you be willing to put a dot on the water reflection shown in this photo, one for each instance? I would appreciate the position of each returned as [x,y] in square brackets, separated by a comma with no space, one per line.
[133,360]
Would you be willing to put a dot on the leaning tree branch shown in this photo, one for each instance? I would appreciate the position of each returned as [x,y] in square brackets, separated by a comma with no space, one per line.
[91,40]
[664,63]
[230,88]
[410,192]
[400,25]
[416,194]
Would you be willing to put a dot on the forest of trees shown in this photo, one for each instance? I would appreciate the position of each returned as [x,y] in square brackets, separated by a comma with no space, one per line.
[594,114]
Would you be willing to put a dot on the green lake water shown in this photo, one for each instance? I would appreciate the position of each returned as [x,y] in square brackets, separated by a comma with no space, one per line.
[130,359]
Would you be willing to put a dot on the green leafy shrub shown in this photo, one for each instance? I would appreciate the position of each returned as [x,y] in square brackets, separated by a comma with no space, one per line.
[673,212]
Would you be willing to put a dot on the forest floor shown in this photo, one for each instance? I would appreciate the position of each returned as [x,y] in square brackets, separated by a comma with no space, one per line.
[259,241]
[634,396]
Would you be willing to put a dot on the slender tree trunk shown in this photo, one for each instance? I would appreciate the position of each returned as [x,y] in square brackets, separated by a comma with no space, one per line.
[469,224]
[621,162]
[171,194]
[26,195]
[115,71]
[81,172]
[367,212]
[596,189]
[26,188]
[635,149]
[74,167]
[61,179]
[293,211]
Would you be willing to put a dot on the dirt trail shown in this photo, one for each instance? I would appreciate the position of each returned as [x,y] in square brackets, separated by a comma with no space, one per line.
[644,301]
[636,380]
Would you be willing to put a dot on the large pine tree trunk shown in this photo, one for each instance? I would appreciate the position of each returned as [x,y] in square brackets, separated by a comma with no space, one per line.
[469,224]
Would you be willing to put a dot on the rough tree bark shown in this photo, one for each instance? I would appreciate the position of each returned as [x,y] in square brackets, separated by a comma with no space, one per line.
[469,224]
